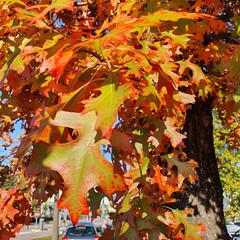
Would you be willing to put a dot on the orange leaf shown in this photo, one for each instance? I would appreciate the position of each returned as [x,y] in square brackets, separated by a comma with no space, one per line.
[57,63]
[80,163]
[159,179]
[171,132]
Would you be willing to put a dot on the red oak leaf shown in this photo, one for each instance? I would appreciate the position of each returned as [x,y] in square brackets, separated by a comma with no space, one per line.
[57,63]
[106,105]
[185,169]
[80,163]
[171,132]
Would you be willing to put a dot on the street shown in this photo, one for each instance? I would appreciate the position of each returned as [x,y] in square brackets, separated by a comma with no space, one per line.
[33,231]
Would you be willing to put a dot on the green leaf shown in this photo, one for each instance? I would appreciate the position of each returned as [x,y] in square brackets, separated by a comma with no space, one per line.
[9,2]
[151,5]
[236,20]
[4,70]
[80,163]
[166,15]
[231,65]
[177,39]
[185,169]
[15,62]
[49,43]
[94,200]
[58,5]
[106,105]
[126,203]
[124,228]
[19,63]
[192,231]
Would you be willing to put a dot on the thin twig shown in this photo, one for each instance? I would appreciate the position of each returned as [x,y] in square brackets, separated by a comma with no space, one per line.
[96,55]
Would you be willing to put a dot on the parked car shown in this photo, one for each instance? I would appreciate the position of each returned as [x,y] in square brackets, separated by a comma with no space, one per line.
[236,235]
[233,230]
[81,231]
[237,223]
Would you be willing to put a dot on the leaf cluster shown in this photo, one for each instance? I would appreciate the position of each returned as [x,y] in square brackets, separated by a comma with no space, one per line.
[119,74]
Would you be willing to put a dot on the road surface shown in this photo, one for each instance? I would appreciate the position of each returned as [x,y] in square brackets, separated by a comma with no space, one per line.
[33,231]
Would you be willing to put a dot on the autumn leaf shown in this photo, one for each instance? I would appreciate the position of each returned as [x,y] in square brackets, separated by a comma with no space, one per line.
[126,203]
[111,96]
[14,212]
[175,137]
[197,72]
[232,65]
[82,74]
[177,39]
[12,2]
[236,20]
[80,163]
[121,141]
[170,69]
[159,178]
[185,169]
[49,43]
[137,171]
[184,97]
[192,231]
[35,14]
[151,88]
[57,63]
[125,25]
[58,5]
[116,35]
[15,61]
[7,199]
[46,184]
[9,212]
[166,15]
[19,63]
[94,199]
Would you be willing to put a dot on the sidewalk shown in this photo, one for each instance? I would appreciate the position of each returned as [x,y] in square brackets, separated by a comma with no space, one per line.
[33,231]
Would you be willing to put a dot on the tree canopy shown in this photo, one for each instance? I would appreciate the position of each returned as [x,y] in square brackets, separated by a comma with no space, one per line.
[120,75]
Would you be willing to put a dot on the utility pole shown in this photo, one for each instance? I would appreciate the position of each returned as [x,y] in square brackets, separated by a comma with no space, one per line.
[55,230]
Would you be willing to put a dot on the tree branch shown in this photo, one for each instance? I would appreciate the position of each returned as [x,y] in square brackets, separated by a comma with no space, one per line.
[96,55]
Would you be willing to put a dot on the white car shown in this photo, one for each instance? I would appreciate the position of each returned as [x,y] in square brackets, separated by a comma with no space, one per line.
[236,235]
[233,230]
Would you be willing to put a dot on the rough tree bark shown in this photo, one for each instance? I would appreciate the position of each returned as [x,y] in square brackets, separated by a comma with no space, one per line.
[206,196]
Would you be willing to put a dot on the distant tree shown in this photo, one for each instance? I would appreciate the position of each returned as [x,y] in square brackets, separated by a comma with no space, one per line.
[141,79]
[229,165]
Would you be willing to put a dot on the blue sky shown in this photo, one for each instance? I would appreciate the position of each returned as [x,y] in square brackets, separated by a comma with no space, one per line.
[15,136]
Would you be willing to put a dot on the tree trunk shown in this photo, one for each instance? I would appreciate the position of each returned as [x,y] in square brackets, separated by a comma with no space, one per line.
[206,196]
